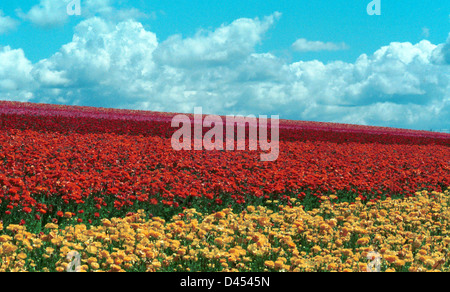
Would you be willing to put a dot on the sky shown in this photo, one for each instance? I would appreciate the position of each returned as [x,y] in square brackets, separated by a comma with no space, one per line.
[323,60]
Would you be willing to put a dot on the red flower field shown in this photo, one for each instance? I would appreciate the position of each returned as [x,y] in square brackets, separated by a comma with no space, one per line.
[97,162]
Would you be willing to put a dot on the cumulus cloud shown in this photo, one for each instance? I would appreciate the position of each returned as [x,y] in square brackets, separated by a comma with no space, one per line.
[103,65]
[7,23]
[124,65]
[48,13]
[53,13]
[304,45]
[229,43]
[16,82]
[441,55]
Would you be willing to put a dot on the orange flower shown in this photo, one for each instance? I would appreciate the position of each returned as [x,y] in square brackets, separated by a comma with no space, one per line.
[363,241]
[391,258]
[269,264]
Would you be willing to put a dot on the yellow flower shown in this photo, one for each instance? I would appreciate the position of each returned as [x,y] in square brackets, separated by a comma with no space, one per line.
[14,227]
[291,244]
[91,249]
[219,215]
[363,241]
[110,261]
[269,264]
[316,249]
[332,266]
[65,250]
[156,264]
[278,264]
[218,241]
[422,252]
[9,248]
[362,267]
[51,226]
[22,256]
[247,259]
[5,238]
[391,258]
[115,268]
[106,223]
[104,254]
[95,265]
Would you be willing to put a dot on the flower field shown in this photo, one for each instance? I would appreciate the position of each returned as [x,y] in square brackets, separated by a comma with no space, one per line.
[410,235]
[107,184]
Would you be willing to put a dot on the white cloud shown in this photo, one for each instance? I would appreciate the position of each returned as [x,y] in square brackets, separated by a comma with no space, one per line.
[304,45]
[104,61]
[16,82]
[107,10]
[124,65]
[229,43]
[441,55]
[53,13]
[7,23]
[48,13]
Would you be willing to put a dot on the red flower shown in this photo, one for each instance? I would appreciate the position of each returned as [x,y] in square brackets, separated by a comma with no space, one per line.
[128,155]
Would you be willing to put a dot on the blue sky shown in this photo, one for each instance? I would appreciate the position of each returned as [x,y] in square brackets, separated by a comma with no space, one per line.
[307,60]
